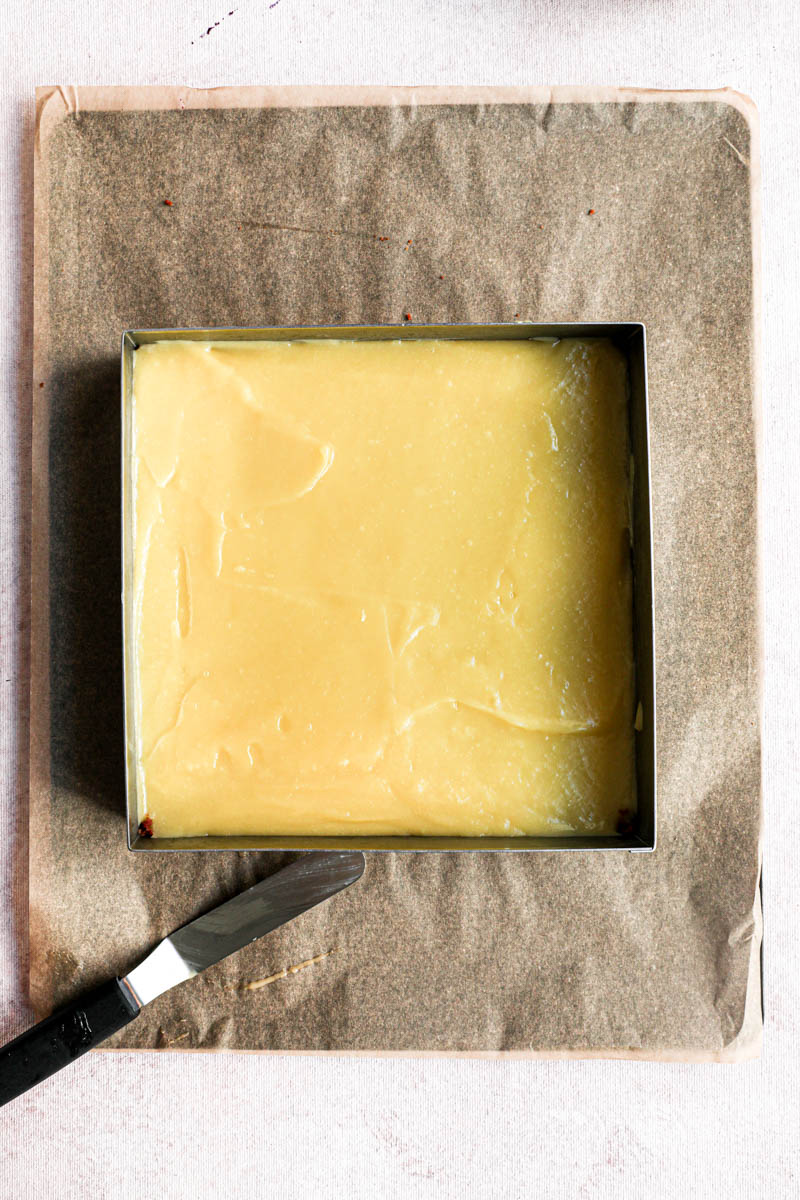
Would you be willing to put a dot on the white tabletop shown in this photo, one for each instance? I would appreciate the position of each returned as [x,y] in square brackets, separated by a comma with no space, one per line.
[203,1125]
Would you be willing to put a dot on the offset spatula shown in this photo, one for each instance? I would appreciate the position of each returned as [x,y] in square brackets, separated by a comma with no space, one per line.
[64,1036]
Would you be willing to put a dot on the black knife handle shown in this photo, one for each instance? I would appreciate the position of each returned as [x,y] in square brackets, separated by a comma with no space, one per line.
[66,1035]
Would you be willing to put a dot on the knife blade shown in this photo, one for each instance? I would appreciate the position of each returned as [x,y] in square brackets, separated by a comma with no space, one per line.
[85,1023]
[249,915]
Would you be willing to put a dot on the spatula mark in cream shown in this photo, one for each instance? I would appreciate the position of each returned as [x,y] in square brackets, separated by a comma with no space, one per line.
[255,755]
[143,549]
[408,619]
[277,416]
[173,725]
[389,647]
[223,533]
[326,455]
[531,724]
[161,481]
[421,617]
[299,459]
[183,595]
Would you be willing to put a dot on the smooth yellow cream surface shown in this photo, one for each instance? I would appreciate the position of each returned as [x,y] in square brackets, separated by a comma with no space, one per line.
[382,587]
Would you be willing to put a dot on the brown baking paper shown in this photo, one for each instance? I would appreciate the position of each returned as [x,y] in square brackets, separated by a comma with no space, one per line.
[280,199]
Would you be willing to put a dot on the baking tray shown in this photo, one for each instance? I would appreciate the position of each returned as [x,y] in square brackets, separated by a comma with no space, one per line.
[630,337]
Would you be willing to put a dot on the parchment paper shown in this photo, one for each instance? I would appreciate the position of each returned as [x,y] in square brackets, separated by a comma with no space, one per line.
[280,199]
